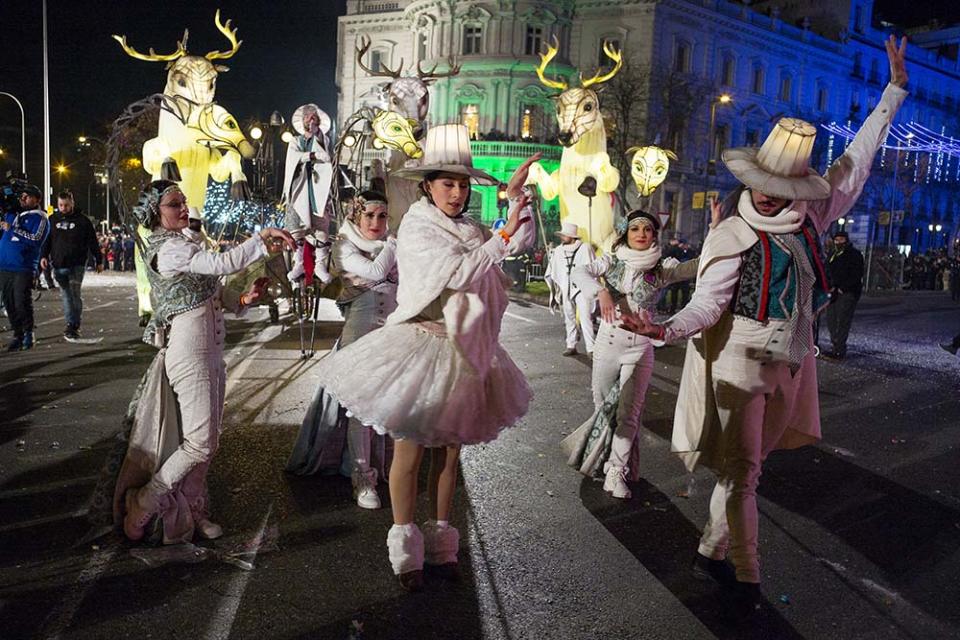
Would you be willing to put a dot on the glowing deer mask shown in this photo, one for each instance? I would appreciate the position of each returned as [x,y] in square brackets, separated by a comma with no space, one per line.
[393,131]
[649,167]
[190,77]
[408,96]
[578,109]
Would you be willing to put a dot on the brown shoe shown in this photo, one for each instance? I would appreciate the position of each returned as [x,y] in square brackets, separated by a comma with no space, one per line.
[412,580]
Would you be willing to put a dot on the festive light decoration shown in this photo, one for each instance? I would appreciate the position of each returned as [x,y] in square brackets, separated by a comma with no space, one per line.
[649,167]
[196,138]
[584,155]
[393,131]
[913,138]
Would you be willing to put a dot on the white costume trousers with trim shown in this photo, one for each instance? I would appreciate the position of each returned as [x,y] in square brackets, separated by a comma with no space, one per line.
[624,357]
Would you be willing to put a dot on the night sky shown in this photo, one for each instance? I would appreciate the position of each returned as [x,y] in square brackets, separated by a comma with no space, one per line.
[287,58]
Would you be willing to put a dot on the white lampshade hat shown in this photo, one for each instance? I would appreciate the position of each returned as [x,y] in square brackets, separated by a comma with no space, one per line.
[447,149]
[780,168]
[569,230]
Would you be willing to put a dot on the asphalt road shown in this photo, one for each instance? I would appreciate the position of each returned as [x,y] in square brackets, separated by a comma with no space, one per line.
[860,535]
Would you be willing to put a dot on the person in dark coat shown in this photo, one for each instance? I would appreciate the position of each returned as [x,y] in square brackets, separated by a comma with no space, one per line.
[846,278]
[73,239]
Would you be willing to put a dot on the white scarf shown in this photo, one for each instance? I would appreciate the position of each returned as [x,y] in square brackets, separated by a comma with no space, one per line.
[352,233]
[787,221]
[639,261]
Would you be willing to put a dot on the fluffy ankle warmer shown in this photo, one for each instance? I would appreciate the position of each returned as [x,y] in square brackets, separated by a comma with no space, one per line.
[441,542]
[405,545]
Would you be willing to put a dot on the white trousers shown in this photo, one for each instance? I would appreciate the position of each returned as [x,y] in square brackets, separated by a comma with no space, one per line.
[624,357]
[752,422]
[197,373]
[582,305]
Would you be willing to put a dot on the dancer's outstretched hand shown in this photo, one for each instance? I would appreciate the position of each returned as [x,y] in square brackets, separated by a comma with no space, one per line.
[519,177]
[898,60]
[275,239]
[716,212]
[643,324]
[608,310]
[256,291]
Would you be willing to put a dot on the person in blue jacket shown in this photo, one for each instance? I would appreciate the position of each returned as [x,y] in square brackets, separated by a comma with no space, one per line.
[20,245]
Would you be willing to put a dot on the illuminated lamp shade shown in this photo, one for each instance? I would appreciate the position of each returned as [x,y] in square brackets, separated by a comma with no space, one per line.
[256,133]
[286,136]
[350,140]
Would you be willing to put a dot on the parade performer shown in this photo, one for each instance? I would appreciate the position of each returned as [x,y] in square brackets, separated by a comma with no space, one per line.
[570,254]
[179,404]
[436,376]
[306,186]
[365,260]
[634,277]
[749,383]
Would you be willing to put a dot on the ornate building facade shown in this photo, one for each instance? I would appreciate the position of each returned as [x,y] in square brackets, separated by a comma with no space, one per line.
[771,58]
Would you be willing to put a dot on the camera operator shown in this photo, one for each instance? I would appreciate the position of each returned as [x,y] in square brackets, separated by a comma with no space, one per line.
[24,233]
[72,240]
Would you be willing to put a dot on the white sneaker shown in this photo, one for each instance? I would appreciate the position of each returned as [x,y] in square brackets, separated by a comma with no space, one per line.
[365,489]
[616,483]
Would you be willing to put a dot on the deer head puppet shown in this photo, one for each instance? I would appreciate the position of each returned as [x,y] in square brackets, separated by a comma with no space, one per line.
[578,109]
[191,77]
[409,96]
[649,167]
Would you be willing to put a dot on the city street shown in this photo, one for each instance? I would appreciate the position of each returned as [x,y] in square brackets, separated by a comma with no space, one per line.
[860,535]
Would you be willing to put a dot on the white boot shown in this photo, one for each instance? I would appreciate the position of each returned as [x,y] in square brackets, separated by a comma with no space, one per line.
[322,258]
[616,483]
[296,271]
[405,545]
[365,488]
[441,543]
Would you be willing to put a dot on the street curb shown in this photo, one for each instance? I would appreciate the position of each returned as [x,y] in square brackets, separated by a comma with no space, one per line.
[516,296]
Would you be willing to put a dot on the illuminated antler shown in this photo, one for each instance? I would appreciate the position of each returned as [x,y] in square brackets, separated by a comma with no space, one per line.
[153,56]
[428,76]
[386,73]
[613,54]
[231,36]
[545,59]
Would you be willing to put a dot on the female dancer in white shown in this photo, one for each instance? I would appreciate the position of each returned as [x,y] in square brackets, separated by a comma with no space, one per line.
[436,376]
[365,260]
[634,276]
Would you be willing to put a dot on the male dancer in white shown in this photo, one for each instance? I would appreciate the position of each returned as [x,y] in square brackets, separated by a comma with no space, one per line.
[564,258]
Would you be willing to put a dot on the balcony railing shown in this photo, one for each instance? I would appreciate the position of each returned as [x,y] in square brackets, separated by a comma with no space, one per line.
[379,7]
[515,149]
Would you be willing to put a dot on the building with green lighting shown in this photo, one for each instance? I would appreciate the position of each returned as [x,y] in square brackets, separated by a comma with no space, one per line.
[823,62]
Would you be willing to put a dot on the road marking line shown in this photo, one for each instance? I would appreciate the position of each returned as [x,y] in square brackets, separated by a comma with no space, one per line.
[221,622]
[61,617]
[60,318]
[44,520]
[49,486]
[513,315]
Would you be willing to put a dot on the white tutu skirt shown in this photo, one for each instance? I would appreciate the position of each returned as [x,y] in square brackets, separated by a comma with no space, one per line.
[410,383]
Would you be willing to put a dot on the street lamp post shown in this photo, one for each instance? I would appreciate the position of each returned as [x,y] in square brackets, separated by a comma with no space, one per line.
[724,98]
[86,140]
[23,133]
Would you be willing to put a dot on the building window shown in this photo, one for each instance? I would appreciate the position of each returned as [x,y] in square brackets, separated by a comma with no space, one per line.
[603,62]
[376,60]
[874,70]
[675,136]
[786,87]
[858,22]
[472,38]
[531,122]
[758,79]
[752,138]
[823,99]
[728,70]
[470,118]
[422,45]
[534,41]
[681,57]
